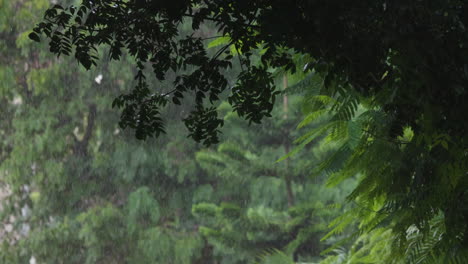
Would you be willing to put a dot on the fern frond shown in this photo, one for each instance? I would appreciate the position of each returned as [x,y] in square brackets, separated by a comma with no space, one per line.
[274,256]
[311,83]
[335,161]
[339,224]
[312,117]
[307,138]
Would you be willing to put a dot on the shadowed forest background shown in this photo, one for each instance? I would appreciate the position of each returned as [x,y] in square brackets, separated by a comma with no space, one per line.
[317,169]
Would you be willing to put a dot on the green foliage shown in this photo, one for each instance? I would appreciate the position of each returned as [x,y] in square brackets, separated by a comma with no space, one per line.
[275,257]
[411,54]
[102,234]
[253,216]
[94,194]
[80,190]
[142,209]
[377,247]
[402,178]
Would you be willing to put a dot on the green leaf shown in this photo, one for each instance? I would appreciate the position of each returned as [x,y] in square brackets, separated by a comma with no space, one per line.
[34,36]
[219,41]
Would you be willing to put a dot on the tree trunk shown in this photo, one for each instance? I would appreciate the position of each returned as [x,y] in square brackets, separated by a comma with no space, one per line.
[287,176]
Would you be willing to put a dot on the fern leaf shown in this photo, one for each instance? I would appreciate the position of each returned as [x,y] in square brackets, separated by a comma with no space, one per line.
[312,117]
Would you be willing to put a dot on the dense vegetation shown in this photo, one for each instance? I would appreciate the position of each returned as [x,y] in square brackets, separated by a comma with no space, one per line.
[81,190]
[376,90]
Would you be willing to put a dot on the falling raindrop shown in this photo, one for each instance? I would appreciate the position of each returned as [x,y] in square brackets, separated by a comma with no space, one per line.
[98,79]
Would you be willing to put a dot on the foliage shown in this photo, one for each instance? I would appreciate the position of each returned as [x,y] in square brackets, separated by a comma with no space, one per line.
[78,189]
[81,190]
[390,33]
[412,72]
[386,196]
[384,88]
[376,247]
[257,214]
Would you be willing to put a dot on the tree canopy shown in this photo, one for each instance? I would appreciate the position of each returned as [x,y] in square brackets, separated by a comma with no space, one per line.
[416,47]
[395,71]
